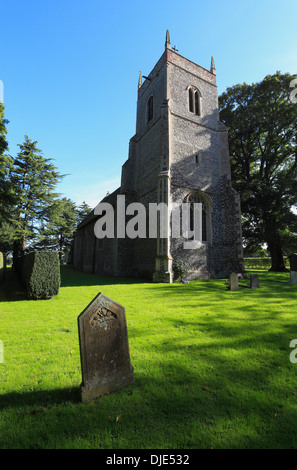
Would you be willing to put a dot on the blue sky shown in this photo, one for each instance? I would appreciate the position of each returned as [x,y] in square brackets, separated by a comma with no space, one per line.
[70,70]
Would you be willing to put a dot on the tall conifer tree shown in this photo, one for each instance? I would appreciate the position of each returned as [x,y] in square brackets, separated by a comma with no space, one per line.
[34,178]
[6,187]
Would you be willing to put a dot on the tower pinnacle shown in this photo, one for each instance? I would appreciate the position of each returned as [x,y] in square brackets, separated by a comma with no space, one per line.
[167,42]
[140,80]
[212,66]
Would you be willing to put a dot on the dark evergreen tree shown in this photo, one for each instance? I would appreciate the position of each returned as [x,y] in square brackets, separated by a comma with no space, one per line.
[6,188]
[82,211]
[34,179]
[59,223]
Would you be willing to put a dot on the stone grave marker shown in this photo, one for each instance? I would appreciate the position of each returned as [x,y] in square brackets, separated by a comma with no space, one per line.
[293,262]
[104,348]
[233,281]
[254,281]
[293,277]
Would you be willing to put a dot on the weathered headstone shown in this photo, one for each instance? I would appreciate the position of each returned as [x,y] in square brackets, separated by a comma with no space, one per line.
[254,281]
[293,262]
[104,348]
[233,281]
[293,277]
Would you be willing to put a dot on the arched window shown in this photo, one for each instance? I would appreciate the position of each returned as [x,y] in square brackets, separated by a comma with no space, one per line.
[205,215]
[191,100]
[194,101]
[150,108]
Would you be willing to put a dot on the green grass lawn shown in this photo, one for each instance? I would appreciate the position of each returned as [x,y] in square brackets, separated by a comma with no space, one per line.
[212,367]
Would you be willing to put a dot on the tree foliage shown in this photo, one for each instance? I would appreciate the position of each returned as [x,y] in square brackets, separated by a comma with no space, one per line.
[34,179]
[6,187]
[3,131]
[58,227]
[59,224]
[82,211]
[31,214]
[262,126]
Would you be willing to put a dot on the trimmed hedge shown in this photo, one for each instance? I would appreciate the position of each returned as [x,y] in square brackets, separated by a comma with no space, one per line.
[2,266]
[41,274]
[261,263]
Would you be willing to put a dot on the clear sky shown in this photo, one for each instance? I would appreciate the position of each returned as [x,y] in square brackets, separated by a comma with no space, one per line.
[70,70]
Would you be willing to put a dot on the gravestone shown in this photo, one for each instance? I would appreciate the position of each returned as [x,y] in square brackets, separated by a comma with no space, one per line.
[233,281]
[254,281]
[293,277]
[104,348]
[293,262]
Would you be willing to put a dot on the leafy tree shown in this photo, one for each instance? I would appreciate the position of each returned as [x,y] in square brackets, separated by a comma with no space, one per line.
[34,178]
[262,126]
[58,227]
[289,239]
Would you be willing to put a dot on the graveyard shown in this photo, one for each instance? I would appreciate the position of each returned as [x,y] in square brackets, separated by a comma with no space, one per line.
[212,366]
[148,228]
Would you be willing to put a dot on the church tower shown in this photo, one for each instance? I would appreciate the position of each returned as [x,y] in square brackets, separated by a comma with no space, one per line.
[178,155]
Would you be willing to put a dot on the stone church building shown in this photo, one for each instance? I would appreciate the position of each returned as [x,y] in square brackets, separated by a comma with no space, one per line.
[179,154]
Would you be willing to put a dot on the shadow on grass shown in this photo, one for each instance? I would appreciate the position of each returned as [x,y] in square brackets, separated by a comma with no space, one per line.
[12,289]
[39,399]
[272,284]
[176,410]
[72,277]
[233,387]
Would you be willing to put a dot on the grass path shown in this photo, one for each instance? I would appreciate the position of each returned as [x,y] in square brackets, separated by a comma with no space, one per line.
[212,367]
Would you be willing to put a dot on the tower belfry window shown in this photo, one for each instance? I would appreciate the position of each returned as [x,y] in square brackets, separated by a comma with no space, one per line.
[197,110]
[191,103]
[150,108]
[194,101]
